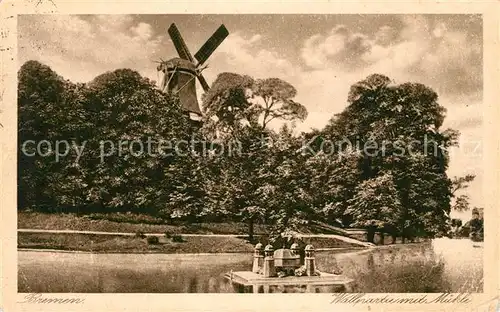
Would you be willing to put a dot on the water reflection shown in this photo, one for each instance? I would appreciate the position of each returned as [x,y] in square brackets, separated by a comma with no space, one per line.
[437,267]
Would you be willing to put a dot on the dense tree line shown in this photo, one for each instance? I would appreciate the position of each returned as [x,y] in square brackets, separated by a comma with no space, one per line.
[247,171]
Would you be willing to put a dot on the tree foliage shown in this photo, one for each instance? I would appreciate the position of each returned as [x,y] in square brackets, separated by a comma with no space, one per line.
[102,117]
[384,168]
[235,100]
[397,128]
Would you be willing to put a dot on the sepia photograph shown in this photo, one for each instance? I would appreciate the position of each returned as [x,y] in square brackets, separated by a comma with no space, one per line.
[255,153]
[224,157]
[250,153]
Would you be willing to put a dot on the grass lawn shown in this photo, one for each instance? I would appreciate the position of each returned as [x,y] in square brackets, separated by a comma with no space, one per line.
[132,223]
[125,223]
[131,244]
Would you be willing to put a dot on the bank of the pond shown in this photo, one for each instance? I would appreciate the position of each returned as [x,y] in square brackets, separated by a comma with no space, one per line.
[125,223]
[128,243]
[401,268]
[131,244]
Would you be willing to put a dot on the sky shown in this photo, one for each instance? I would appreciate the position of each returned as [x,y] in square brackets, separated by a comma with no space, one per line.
[321,55]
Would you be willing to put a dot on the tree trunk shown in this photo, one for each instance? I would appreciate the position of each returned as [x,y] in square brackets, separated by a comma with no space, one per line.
[406,183]
[250,228]
[370,234]
[382,237]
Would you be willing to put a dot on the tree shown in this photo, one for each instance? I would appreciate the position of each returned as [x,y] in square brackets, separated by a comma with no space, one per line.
[397,129]
[285,191]
[103,117]
[125,108]
[184,191]
[476,225]
[460,183]
[387,172]
[235,100]
[232,113]
[226,106]
[376,204]
[331,183]
[238,176]
[456,224]
[277,101]
[230,119]
[461,202]
[45,106]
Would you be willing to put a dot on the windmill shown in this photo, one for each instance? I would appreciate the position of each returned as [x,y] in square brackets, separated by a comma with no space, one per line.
[180,73]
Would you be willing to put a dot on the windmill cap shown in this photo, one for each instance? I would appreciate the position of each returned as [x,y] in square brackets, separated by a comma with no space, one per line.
[180,64]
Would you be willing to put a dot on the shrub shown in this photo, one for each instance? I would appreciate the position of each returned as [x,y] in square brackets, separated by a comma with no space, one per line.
[409,277]
[192,228]
[167,234]
[300,271]
[127,217]
[177,238]
[153,240]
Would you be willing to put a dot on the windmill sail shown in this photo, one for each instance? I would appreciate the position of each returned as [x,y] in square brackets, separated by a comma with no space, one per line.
[180,74]
[203,82]
[179,43]
[212,43]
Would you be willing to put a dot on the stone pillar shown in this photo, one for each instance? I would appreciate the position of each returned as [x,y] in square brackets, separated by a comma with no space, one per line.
[295,249]
[266,289]
[310,261]
[269,269]
[255,288]
[309,288]
[258,259]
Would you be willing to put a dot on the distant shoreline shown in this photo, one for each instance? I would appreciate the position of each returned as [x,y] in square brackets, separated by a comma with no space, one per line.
[180,243]
[359,249]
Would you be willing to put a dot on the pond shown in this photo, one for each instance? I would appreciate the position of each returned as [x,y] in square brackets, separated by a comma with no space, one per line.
[441,266]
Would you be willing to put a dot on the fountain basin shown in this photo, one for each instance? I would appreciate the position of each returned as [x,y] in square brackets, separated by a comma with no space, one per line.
[247,281]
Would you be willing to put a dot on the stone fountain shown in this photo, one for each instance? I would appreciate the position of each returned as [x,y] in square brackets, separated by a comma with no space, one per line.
[283,270]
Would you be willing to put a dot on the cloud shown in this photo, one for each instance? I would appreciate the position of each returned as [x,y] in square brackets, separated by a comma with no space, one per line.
[418,52]
[385,36]
[440,30]
[81,48]
[340,48]
[241,54]
[424,51]
[254,39]
[143,31]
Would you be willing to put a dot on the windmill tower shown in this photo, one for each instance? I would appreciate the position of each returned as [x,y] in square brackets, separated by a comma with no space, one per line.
[180,73]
